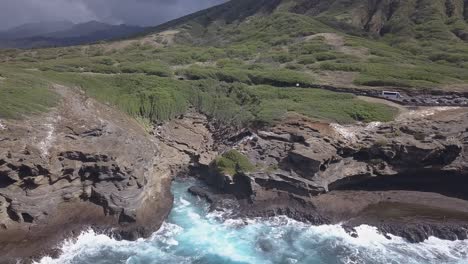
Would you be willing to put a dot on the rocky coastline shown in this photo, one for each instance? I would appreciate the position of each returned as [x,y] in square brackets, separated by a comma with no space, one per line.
[85,165]
[81,165]
[406,178]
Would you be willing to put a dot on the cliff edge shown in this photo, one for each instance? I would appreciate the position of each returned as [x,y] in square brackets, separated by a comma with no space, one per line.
[82,164]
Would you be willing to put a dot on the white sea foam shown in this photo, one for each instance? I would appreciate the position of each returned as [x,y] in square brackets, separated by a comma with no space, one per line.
[2,126]
[194,235]
[167,233]
[183,202]
[369,245]
[88,241]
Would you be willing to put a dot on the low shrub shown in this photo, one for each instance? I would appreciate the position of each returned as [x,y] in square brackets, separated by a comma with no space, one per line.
[233,162]
[306,59]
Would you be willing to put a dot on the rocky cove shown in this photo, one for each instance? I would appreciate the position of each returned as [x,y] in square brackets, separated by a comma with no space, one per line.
[85,165]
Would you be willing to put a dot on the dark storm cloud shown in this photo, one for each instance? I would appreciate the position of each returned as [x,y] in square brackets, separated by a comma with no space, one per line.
[137,12]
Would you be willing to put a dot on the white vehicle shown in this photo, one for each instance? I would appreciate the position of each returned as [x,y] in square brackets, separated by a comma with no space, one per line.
[391,95]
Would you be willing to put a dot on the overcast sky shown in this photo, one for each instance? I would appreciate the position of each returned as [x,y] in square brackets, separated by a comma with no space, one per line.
[135,12]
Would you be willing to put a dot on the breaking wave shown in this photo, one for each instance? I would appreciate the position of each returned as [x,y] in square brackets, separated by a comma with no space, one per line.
[193,235]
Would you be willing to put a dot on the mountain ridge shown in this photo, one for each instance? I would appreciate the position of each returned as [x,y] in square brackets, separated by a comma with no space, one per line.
[377,17]
[34,29]
[37,35]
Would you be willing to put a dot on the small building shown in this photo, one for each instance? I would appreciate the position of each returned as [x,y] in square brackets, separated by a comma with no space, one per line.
[391,95]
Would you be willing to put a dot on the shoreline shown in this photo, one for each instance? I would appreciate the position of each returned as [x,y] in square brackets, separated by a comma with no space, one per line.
[335,208]
[309,171]
[351,230]
[418,230]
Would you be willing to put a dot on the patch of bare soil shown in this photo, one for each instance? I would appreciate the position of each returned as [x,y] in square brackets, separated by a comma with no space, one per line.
[167,37]
[296,120]
[338,42]
[402,109]
[338,78]
[457,87]
[431,113]
[161,39]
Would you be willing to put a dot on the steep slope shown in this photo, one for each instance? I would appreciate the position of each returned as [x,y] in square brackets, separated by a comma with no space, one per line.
[402,43]
[420,19]
[81,164]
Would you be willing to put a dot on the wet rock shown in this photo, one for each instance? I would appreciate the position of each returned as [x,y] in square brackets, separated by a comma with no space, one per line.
[416,233]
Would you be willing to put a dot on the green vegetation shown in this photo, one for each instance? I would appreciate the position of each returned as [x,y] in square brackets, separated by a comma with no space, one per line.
[278,77]
[149,97]
[232,162]
[243,70]
[234,104]
[150,68]
[22,93]
[320,104]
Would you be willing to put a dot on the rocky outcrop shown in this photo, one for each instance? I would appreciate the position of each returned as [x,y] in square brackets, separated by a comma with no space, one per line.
[308,170]
[82,164]
[187,142]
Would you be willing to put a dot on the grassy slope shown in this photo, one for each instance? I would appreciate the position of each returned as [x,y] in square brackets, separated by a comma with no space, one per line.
[425,42]
[239,69]
[412,44]
[22,93]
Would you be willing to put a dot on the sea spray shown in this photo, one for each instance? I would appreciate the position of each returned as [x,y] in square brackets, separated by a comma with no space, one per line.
[192,234]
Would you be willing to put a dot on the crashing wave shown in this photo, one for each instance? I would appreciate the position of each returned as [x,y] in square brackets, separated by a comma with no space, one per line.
[194,235]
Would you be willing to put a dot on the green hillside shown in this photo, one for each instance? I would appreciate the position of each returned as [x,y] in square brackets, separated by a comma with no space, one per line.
[240,62]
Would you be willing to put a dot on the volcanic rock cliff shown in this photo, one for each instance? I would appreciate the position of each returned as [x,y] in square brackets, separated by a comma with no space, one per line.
[406,177]
[82,164]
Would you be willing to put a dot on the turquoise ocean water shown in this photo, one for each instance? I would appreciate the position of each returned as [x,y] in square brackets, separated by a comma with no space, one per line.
[192,234]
